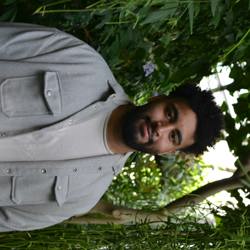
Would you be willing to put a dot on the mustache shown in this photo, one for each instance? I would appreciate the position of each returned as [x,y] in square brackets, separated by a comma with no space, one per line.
[151,130]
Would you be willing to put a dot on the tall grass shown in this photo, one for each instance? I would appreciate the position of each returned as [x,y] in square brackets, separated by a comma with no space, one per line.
[181,234]
[137,12]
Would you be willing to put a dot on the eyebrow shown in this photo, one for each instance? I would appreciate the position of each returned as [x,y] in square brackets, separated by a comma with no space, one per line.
[177,131]
[175,113]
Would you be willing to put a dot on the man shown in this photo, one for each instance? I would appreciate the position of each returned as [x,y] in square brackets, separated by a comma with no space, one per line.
[67,127]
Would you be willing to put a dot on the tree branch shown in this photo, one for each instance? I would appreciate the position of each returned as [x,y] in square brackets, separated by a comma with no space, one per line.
[203,192]
[105,212]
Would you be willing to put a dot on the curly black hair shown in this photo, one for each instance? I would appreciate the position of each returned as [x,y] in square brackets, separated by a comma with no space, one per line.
[210,120]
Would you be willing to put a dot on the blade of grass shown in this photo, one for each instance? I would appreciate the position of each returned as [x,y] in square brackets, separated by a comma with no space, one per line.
[191,15]
[214,4]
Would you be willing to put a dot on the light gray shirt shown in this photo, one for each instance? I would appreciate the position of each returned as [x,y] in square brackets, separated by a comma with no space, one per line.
[46,77]
[68,139]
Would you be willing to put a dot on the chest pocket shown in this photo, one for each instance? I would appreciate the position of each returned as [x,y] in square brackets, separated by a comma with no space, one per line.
[31,95]
[30,190]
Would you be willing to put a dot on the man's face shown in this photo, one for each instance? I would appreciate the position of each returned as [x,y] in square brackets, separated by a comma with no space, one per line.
[161,126]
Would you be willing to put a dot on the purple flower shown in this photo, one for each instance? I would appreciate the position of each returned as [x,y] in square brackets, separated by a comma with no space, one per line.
[155,93]
[148,68]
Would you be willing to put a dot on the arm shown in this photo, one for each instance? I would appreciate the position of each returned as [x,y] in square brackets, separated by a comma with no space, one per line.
[25,218]
[20,41]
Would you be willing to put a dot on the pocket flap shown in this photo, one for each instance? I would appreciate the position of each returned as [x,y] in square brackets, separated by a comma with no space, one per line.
[61,189]
[31,190]
[52,92]
[31,95]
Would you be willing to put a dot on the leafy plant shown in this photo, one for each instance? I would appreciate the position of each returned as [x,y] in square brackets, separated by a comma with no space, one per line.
[150,182]
[8,10]
[174,233]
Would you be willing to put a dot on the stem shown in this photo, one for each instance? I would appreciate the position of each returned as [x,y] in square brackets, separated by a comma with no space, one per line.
[235,46]
[221,88]
[55,3]
[63,11]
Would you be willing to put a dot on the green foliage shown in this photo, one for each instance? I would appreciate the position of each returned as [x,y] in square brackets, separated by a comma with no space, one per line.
[10,10]
[233,225]
[181,175]
[139,184]
[150,182]
[238,127]
[174,233]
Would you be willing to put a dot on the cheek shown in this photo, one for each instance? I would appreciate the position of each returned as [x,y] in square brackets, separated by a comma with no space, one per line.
[157,114]
[162,146]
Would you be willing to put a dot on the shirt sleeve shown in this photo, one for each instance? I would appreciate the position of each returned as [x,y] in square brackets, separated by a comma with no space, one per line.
[24,219]
[19,41]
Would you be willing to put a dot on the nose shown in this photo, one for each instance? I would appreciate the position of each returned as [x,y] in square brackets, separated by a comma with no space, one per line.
[161,127]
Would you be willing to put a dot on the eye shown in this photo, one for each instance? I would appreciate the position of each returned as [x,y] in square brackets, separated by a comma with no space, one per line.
[172,136]
[172,113]
[169,115]
[175,137]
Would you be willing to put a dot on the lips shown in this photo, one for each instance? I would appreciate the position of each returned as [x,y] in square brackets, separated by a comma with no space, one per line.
[146,132]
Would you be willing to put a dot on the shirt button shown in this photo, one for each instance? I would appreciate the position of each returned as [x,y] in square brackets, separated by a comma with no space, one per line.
[8,171]
[100,168]
[59,188]
[43,171]
[113,96]
[49,93]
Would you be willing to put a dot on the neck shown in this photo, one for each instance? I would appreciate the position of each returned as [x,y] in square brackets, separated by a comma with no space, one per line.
[114,130]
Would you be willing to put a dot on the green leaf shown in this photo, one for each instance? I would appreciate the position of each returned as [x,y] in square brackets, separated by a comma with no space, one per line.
[246,183]
[191,15]
[9,15]
[159,15]
[165,39]
[163,68]
[220,11]
[214,5]
[9,2]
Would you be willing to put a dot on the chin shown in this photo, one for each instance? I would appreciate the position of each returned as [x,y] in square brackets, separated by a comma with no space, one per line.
[132,135]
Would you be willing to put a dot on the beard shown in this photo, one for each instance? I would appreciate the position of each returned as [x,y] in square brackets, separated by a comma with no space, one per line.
[131,130]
